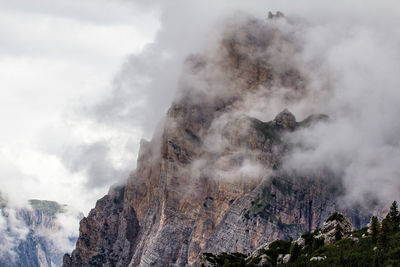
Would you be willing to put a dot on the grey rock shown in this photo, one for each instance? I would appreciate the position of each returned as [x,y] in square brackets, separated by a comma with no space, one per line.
[286,258]
[336,227]
[285,120]
[318,258]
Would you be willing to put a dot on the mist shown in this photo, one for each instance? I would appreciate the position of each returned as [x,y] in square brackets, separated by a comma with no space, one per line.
[350,59]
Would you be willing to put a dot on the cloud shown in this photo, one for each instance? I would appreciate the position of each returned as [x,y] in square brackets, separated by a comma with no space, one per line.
[360,143]
[62,237]
[350,60]
[58,56]
[348,55]
[93,160]
[13,230]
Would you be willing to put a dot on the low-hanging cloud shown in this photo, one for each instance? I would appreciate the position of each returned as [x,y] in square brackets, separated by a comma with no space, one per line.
[350,60]
[360,143]
[351,65]
[93,160]
[12,230]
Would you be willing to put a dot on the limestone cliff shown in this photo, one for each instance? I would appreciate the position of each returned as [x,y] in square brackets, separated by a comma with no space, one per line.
[212,179]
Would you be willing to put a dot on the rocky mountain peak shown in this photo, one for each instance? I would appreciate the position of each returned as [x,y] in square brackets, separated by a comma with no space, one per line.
[285,120]
[277,15]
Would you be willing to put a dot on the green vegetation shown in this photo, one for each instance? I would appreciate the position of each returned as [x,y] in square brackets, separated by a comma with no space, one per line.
[377,246]
[261,206]
[225,259]
[336,216]
[278,247]
[375,229]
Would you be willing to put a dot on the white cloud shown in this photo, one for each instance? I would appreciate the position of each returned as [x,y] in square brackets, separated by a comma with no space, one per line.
[56,56]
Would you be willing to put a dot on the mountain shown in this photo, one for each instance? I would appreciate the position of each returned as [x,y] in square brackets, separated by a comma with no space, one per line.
[213,178]
[26,234]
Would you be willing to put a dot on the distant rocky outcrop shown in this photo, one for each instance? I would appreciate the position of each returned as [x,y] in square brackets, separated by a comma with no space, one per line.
[24,234]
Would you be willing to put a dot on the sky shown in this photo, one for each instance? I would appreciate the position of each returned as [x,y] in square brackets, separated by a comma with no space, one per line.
[57,57]
[83,81]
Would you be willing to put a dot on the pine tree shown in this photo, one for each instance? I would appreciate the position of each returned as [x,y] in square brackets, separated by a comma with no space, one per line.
[383,237]
[294,251]
[375,262]
[341,258]
[393,217]
[375,228]
[338,232]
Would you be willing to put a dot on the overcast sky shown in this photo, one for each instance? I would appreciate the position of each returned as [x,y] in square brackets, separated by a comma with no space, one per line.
[55,57]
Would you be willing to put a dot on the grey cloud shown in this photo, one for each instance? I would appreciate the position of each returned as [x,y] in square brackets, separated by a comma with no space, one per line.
[111,12]
[12,231]
[93,160]
[349,58]
[361,143]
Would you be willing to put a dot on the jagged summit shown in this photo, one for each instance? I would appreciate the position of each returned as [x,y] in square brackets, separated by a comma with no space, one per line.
[285,120]
[277,15]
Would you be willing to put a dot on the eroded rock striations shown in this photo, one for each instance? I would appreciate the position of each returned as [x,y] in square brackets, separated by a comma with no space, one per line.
[299,253]
[212,179]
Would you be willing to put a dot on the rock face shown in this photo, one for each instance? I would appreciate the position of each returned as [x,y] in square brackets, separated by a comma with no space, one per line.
[285,121]
[335,228]
[212,179]
[280,252]
[24,241]
[110,228]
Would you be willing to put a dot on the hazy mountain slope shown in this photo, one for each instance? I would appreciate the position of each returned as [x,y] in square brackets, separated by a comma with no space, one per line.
[27,234]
